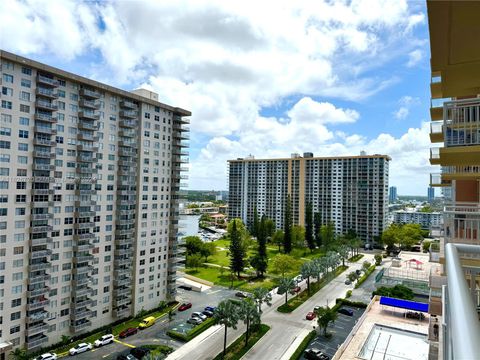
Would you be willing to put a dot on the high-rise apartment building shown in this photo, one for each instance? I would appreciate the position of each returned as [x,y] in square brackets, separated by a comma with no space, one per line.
[431,194]
[455,127]
[350,191]
[392,195]
[89,190]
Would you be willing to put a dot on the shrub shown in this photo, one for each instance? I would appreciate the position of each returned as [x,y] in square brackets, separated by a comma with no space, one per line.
[378,259]
[398,292]
[348,294]
[365,276]
[303,345]
[197,330]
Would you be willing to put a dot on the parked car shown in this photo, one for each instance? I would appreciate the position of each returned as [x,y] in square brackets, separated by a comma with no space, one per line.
[297,289]
[207,313]
[147,322]
[127,332]
[199,315]
[311,315]
[185,287]
[80,348]
[344,311]
[126,357]
[298,279]
[316,308]
[315,354]
[240,294]
[104,340]
[185,306]
[47,356]
[210,308]
[139,352]
[348,282]
[358,272]
[194,321]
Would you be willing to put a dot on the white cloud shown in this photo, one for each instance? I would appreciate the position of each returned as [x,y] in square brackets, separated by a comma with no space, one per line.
[414,57]
[405,102]
[307,110]
[401,113]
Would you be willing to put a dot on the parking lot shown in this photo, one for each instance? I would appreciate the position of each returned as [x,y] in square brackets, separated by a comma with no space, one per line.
[156,334]
[339,330]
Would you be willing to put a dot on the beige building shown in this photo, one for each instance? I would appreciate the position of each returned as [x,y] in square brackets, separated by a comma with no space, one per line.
[350,191]
[89,189]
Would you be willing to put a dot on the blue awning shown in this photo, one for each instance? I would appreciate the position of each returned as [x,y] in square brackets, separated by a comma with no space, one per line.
[404,304]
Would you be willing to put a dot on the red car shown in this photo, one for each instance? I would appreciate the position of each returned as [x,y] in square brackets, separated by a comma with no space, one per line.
[128,332]
[311,315]
[185,306]
[295,290]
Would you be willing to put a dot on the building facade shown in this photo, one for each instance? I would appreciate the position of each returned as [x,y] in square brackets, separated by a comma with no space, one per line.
[392,194]
[350,191]
[455,132]
[89,185]
[426,220]
[431,194]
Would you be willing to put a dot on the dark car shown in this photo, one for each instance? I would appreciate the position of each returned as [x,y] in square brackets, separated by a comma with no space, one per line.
[185,306]
[185,287]
[210,308]
[344,311]
[207,313]
[126,357]
[240,294]
[139,352]
[315,354]
[127,332]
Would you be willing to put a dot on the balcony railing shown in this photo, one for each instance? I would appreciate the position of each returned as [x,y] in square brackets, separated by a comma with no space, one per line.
[46,92]
[89,93]
[129,113]
[47,81]
[45,117]
[46,105]
[35,343]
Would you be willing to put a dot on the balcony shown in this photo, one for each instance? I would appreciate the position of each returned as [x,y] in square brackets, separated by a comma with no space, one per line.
[436,132]
[39,266]
[80,304]
[122,292]
[123,312]
[80,327]
[121,262]
[93,126]
[33,317]
[81,192]
[125,104]
[85,225]
[82,258]
[182,135]
[129,144]
[79,281]
[35,279]
[86,159]
[435,156]
[87,137]
[82,269]
[88,236]
[128,123]
[44,142]
[83,147]
[79,292]
[41,229]
[42,191]
[44,154]
[122,301]
[41,79]
[37,329]
[90,104]
[78,315]
[46,118]
[48,93]
[131,114]
[38,292]
[127,152]
[86,170]
[41,216]
[127,133]
[86,246]
[90,94]
[36,342]
[122,282]
[124,232]
[40,254]
[37,305]
[181,144]
[46,105]
[43,167]
[181,120]
[91,115]
[121,252]
[122,272]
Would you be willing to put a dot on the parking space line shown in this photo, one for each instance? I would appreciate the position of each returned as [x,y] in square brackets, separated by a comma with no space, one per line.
[123,343]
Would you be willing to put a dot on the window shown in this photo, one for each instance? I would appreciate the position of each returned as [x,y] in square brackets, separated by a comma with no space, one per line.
[7,91]
[24,121]
[15,316]
[25,96]
[26,70]
[6,104]
[4,144]
[14,329]
[26,83]
[5,131]
[61,93]
[24,108]
[4,158]
[7,119]
[16,302]
[8,78]
[22,147]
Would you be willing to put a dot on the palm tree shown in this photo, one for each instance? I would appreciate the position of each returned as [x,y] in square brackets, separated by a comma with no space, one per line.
[262,295]
[285,285]
[320,266]
[308,269]
[226,314]
[19,354]
[326,315]
[343,251]
[250,315]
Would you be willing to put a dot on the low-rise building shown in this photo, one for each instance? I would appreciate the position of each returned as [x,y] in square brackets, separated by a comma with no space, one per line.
[427,220]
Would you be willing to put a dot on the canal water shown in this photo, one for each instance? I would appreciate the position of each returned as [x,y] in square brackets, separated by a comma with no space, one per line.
[190,225]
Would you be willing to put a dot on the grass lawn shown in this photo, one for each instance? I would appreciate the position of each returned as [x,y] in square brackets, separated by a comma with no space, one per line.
[213,274]
[237,349]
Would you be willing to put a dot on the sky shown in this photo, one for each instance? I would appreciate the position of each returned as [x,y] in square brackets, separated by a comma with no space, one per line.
[263,78]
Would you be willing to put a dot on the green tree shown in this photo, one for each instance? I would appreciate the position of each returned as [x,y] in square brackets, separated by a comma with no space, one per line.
[208,249]
[237,254]
[366,265]
[277,239]
[317,225]
[332,260]
[248,313]
[19,354]
[343,251]
[283,264]
[256,223]
[391,236]
[287,227]
[326,315]
[411,234]
[320,266]
[285,285]
[262,295]
[193,244]
[226,314]
[269,228]
[298,236]
[309,227]
[194,261]
[328,234]
[260,260]
[352,276]
[259,264]
[307,270]
[240,227]
[378,259]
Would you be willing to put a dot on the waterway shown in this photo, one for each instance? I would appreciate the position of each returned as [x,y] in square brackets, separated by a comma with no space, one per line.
[190,224]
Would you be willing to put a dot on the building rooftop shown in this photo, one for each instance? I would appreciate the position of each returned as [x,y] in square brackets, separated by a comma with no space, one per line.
[252,159]
[384,332]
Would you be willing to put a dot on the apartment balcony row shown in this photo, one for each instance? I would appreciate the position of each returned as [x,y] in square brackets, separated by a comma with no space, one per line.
[122,312]
[36,342]
[129,114]
[44,142]
[38,292]
[125,104]
[89,104]
[80,327]
[180,120]
[43,216]
[45,105]
[38,328]
[88,125]
[89,94]
[44,154]
[42,79]
[46,92]
[45,117]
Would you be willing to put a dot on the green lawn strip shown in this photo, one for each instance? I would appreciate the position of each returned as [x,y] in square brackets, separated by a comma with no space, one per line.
[365,276]
[303,345]
[298,300]
[158,349]
[237,349]
[115,330]
[355,258]
[197,330]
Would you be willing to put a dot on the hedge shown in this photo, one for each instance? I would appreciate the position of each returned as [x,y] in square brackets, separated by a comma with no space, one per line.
[357,304]
[355,258]
[197,330]
[237,349]
[164,349]
[303,345]
[365,276]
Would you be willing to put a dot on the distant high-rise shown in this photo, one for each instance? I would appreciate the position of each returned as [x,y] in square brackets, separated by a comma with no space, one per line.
[350,191]
[89,187]
[431,194]
[392,196]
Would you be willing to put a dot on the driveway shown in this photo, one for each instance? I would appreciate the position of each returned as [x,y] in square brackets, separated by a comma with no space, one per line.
[339,330]
[156,334]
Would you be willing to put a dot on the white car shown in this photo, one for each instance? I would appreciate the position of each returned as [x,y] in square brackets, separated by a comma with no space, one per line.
[199,315]
[298,279]
[104,340]
[47,356]
[80,348]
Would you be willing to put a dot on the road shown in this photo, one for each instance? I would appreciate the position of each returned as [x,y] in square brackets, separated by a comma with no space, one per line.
[284,327]
[156,334]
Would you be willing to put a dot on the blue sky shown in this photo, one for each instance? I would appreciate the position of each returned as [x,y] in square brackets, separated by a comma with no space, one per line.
[264,78]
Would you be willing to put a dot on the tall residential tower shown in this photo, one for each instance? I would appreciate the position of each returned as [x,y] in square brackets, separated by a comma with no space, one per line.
[89,187]
[350,191]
